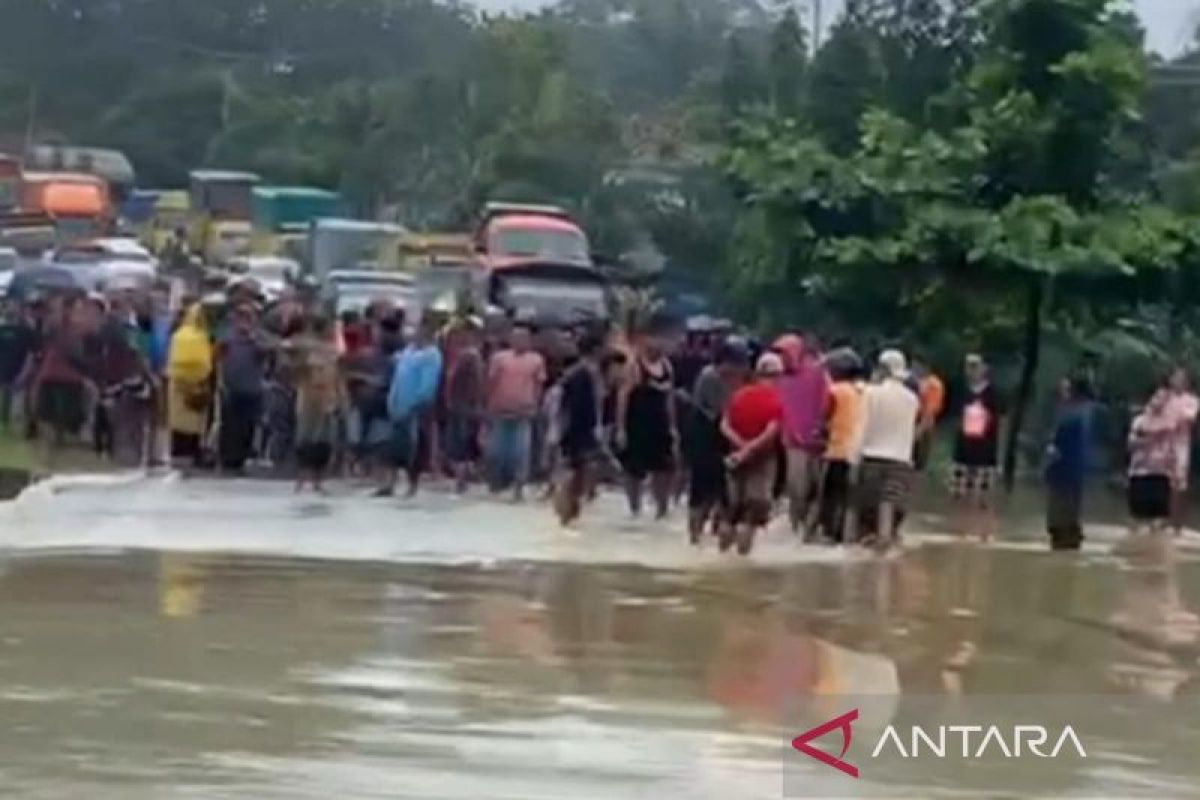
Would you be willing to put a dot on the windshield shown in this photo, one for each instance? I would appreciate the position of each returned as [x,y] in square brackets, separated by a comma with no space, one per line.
[272,270]
[534,297]
[227,200]
[130,254]
[359,296]
[534,243]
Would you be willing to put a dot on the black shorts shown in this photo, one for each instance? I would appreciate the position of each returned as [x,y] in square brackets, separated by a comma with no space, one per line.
[1150,497]
[314,455]
[462,439]
[61,405]
[885,482]
[707,485]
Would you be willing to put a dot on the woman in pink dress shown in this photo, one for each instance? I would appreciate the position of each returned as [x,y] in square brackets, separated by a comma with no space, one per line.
[1184,407]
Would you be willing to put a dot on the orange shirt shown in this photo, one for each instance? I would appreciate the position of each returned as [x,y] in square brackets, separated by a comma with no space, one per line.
[933,398]
[845,422]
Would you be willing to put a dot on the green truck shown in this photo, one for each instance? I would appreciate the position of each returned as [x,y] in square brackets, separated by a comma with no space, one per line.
[282,215]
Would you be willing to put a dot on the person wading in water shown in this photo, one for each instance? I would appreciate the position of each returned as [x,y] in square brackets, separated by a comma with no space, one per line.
[646,437]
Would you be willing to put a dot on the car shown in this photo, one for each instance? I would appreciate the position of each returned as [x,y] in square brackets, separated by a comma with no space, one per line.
[273,274]
[355,290]
[108,263]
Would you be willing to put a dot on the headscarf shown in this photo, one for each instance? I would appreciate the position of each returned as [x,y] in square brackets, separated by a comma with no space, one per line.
[191,352]
[791,348]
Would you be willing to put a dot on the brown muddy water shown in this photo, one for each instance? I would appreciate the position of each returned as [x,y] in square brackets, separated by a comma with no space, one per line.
[486,656]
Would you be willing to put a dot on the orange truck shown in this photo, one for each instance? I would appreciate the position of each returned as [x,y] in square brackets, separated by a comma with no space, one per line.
[77,204]
[29,234]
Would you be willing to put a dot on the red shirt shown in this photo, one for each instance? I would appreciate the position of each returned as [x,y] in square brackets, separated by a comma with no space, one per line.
[753,408]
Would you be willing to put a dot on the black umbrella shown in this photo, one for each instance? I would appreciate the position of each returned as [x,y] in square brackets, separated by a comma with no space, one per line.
[42,279]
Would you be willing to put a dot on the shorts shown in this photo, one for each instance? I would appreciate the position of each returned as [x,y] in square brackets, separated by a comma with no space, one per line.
[510,445]
[967,481]
[462,438]
[750,487]
[408,444]
[884,482]
[707,485]
[579,451]
[1150,497]
[314,456]
[61,405]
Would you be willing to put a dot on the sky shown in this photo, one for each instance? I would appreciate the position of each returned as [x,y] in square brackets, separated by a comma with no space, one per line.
[1169,23]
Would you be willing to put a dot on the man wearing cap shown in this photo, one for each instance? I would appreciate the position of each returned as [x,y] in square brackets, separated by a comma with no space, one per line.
[751,425]
[890,413]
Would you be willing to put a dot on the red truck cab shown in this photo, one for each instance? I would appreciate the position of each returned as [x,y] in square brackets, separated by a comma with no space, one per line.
[512,234]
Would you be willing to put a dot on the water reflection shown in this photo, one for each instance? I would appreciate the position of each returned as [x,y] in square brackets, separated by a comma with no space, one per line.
[235,677]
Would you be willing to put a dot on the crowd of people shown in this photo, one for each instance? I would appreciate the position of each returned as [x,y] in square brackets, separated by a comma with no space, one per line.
[833,440]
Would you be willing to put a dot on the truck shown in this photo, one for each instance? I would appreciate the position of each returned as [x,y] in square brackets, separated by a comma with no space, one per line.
[221,206]
[78,205]
[282,215]
[538,265]
[516,233]
[110,166]
[351,244]
[26,234]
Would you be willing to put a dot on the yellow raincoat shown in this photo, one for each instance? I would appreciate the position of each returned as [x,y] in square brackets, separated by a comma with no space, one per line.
[189,372]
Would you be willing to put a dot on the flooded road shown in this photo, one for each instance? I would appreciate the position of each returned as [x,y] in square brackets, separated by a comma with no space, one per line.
[166,639]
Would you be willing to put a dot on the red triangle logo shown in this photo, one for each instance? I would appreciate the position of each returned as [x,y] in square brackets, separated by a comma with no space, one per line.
[801,742]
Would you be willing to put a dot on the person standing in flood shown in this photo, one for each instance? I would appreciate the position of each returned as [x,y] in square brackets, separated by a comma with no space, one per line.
[707,479]
[125,382]
[977,451]
[804,391]
[932,392]
[842,450]
[647,437]
[62,381]
[412,395]
[465,405]
[891,409]
[752,424]
[18,340]
[1183,405]
[516,377]
[1153,463]
[243,359]
[580,438]
[320,401]
[1067,465]
[189,386]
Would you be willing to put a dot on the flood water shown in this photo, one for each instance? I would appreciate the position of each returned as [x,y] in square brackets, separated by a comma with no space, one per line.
[166,639]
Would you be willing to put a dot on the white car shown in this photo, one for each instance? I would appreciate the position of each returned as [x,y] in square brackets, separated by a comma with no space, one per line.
[273,274]
[108,263]
[355,290]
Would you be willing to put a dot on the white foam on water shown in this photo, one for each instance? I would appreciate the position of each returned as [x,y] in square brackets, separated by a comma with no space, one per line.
[105,513]
[267,518]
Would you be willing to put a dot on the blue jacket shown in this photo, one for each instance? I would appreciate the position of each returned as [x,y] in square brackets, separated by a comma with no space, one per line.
[415,380]
[1068,466]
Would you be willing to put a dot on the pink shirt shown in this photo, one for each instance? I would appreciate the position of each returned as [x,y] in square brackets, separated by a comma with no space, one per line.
[805,395]
[515,383]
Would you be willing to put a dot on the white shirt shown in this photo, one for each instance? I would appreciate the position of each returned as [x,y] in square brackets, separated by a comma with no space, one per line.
[890,412]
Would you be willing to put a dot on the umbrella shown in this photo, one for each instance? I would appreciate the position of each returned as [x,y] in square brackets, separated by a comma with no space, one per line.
[43,278]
